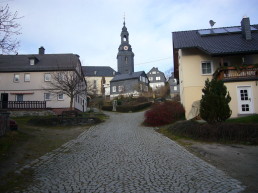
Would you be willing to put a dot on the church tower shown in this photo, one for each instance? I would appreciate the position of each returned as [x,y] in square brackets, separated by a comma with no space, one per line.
[125,56]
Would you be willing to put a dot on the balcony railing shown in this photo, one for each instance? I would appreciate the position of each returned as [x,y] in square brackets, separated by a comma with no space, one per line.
[22,104]
[237,74]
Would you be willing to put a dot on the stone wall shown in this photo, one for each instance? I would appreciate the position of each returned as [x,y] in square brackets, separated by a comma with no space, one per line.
[20,113]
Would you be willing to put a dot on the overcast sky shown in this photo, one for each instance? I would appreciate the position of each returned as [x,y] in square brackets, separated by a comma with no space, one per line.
[91,28]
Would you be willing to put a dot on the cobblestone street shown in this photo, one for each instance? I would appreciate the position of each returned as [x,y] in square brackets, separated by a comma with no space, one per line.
[120,155]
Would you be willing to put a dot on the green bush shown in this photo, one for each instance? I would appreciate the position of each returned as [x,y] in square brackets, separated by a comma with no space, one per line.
[214,106]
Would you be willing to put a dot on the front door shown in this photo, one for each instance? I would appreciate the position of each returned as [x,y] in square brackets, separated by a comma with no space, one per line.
[245,100]
[4,99]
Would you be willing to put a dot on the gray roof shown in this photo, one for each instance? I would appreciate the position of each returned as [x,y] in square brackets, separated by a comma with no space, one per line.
[217,44]
[44,62]
[98,71]
[158,73]
[134,75]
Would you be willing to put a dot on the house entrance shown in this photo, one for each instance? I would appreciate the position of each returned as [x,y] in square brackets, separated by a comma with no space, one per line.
[245,100]
[4,100]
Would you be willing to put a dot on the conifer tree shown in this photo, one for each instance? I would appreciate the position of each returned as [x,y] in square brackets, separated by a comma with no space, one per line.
[214,105]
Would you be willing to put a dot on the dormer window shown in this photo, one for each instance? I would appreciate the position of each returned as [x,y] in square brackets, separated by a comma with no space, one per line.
[114,72]
[33,60]
[95,72]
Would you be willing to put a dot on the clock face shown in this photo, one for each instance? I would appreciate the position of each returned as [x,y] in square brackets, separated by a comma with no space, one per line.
[125,47]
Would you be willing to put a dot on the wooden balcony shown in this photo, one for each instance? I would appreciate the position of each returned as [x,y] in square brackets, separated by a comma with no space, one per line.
[233,74]
[23,105]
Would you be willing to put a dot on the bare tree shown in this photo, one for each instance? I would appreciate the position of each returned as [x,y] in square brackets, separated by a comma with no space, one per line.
[168,73]
[91,88]
[8,29]
[69,83]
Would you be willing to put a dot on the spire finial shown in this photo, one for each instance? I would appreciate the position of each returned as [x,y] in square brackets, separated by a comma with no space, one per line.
[124,18]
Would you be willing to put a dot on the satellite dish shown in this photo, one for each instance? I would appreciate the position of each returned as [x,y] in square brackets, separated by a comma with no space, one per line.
[212,23]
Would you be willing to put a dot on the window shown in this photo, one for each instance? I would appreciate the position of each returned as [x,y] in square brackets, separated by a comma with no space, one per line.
[141,87]
[154,72]
[32,61]
[158,78]
[60,96]
[94,84]
[95,72]
[47,77]
[61,76]
[126,59]
[120,88]
[16,78]
[207,67]
[175,87]
[150,78]
[114,88]
[47,96]
[124,38]
[19,97]
[26,77]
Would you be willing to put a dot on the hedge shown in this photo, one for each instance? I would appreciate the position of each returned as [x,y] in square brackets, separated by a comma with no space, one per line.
[128,108]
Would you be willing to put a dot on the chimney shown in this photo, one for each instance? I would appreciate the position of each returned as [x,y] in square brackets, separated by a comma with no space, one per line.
[246,29]
[41,50]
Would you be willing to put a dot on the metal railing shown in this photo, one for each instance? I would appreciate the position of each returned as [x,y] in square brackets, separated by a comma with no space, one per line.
[22,104]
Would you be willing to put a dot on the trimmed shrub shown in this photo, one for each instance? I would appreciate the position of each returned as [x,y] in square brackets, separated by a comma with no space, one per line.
[214,106]
[164,113]
[228,132]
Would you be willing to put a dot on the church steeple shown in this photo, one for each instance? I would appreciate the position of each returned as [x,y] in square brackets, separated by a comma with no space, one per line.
[124,34]
[125,56]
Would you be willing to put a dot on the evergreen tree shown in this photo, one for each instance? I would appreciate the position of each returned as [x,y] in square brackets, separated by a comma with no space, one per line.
[214,105]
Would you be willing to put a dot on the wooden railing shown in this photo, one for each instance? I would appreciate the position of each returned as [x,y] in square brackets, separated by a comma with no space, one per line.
[23,105]
[233,73]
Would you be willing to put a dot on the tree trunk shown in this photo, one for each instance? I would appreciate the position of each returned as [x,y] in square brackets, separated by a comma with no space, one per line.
[71,103]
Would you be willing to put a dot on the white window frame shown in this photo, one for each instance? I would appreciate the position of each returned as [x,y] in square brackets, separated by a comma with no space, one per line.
[47,78]
[120,88]
[150,78]
[154,72]
[47,98]
[19,97]
[27,77]
[205,62]
[16,78]
[60,98]
[113,88]
[32,61]
[158,78]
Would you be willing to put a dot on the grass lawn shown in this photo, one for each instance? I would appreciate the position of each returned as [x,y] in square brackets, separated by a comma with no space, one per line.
[247,119]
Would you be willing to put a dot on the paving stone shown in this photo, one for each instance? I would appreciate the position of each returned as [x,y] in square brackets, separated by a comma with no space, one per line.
[120,155]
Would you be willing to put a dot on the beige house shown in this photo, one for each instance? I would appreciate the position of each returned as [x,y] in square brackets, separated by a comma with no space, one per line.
[98,79]
[25,81]
[229,54]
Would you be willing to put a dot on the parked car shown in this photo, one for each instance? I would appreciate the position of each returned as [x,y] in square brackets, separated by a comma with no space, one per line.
[159,100]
